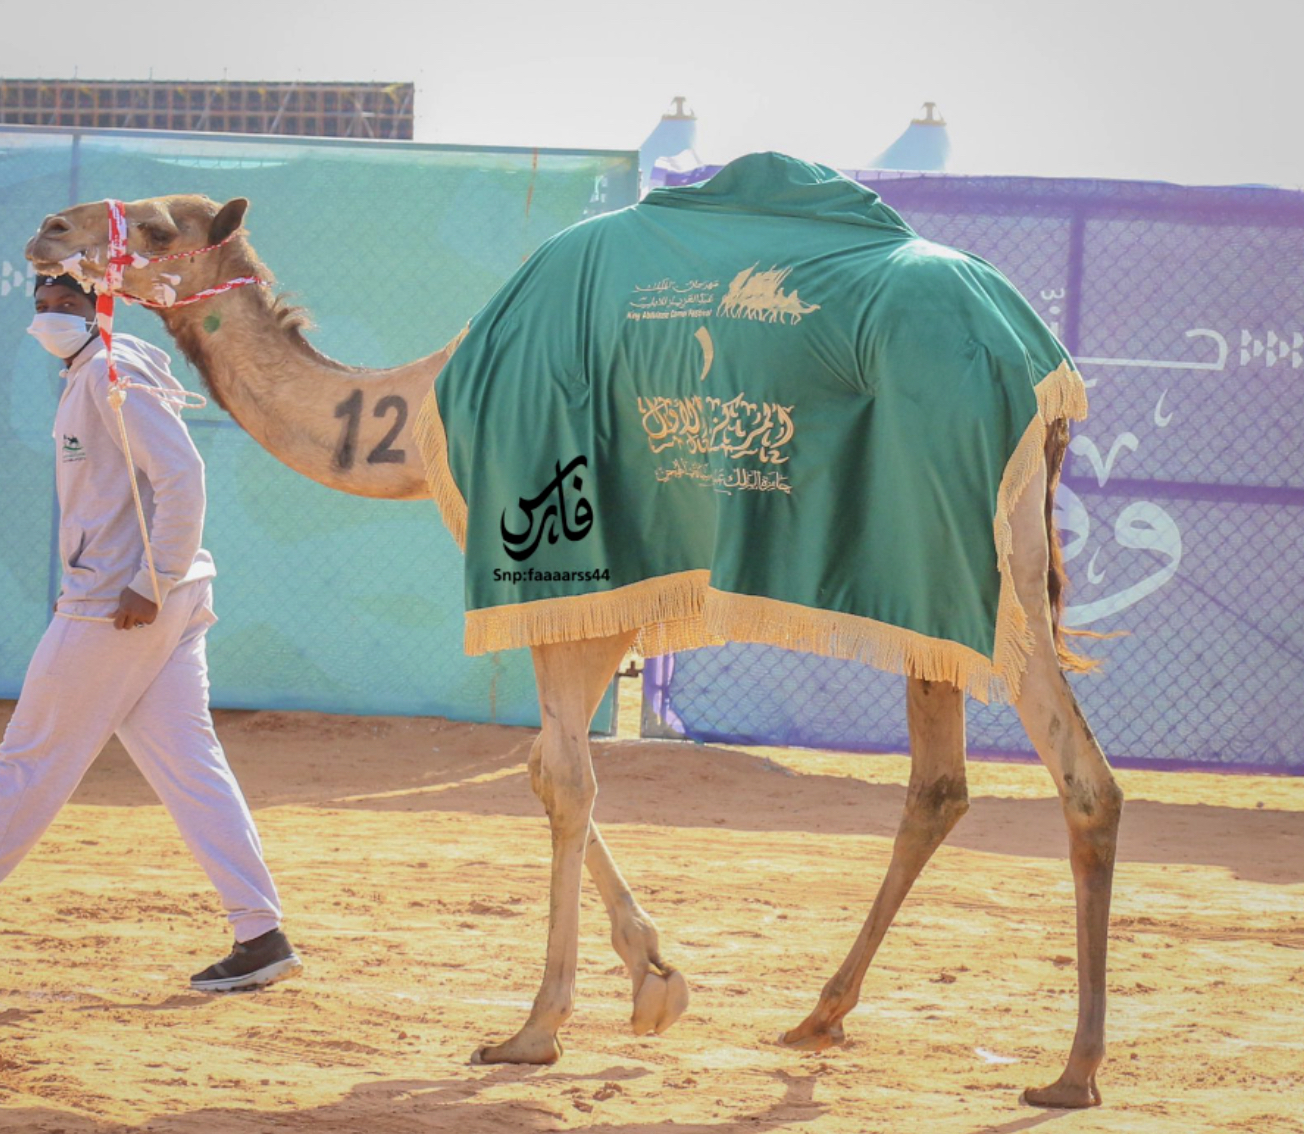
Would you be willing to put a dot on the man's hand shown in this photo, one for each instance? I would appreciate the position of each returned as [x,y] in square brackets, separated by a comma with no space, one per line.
[133,610]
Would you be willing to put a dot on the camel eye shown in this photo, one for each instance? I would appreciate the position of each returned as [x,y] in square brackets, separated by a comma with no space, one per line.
[157,235]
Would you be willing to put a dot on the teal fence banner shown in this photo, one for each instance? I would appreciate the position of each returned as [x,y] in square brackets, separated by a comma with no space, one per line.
[326,601]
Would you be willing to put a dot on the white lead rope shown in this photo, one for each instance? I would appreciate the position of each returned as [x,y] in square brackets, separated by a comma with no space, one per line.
[116,398]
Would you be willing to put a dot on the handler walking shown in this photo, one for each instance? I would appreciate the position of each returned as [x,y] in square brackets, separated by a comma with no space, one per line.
[112,661]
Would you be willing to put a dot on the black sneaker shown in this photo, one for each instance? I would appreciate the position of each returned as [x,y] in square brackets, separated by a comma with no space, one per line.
[251,964]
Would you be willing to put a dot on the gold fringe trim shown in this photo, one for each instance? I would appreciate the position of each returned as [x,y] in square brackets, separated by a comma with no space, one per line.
[1061,394]
[747,618]
[683,612]
[432,442]
[666,610]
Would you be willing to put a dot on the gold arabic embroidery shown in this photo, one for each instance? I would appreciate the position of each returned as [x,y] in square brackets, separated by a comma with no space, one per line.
[701,425]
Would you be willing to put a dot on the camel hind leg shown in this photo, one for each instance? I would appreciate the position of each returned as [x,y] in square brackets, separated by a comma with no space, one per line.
[572,678]
[935,800]
[1091,801]
[659,990]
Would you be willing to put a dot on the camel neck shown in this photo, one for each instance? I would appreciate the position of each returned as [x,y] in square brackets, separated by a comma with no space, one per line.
[347,428]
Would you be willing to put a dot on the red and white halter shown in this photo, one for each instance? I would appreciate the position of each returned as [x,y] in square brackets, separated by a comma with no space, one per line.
[119,260]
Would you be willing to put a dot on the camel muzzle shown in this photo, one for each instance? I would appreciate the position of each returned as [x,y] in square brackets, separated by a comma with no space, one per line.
[44,253]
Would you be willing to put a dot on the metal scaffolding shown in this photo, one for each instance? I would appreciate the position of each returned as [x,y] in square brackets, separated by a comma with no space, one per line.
[330,110]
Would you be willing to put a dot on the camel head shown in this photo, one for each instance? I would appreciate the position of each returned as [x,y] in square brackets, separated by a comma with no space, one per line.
[76,241]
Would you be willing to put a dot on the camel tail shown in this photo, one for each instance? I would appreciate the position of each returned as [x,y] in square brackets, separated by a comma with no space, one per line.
[1057,580]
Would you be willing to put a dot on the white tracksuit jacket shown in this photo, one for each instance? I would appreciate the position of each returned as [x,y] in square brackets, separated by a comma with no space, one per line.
[99,532]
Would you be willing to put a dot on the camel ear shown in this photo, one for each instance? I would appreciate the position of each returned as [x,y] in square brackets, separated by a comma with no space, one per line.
[229,217]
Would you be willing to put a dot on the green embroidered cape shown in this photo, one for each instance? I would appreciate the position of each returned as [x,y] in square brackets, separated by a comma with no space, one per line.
[757,409]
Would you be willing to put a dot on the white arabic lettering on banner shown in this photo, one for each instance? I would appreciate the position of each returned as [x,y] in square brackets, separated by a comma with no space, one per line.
[1141,525]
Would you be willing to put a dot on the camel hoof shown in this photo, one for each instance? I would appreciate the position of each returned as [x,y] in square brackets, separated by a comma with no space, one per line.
[676,1001]
[1063,1096]
[540,1051]
[661,1000]
[813,1038]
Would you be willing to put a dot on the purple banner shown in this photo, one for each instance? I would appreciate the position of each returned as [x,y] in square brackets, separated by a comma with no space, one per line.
[1182,504]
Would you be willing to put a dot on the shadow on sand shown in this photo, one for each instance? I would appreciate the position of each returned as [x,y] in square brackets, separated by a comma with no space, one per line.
[430,764]
[417,1106]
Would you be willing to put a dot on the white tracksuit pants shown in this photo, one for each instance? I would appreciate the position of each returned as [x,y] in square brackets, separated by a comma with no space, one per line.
[87,681]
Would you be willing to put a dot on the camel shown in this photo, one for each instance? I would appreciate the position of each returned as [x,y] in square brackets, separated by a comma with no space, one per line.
[353,430]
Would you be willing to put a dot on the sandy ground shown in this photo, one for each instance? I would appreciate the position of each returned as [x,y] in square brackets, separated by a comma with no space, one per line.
[412,861]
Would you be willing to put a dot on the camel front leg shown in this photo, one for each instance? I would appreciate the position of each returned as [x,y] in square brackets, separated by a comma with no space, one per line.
[660,991]
[1091,800]
[935,801]
[572,677]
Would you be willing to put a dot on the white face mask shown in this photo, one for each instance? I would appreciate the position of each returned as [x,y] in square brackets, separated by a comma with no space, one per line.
[62,335]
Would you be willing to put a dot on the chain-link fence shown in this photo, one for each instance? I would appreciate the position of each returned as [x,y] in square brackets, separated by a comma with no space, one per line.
[1182,505]
[327,601]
